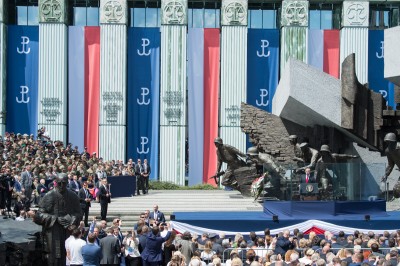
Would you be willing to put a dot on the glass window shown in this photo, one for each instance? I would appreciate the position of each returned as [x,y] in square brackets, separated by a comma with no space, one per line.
[22,15]
[79,16]
[256,19]
[315,19]
[139,17]
[190,18]
[151,17]
[210,18]
[33,15]
[198,18]
[269,19]
[92,16]
[326,19]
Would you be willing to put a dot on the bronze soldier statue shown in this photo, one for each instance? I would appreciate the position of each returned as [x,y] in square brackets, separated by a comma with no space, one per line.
[232,157]
[392,152]
[293,139]
[310,157]
[328,158]
[58,209]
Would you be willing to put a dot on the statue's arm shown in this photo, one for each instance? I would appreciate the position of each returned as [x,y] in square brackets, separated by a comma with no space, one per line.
[344,156]
[389,168]
[43,216]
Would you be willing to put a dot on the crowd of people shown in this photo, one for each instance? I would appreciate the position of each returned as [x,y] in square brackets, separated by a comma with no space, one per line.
[29,165]
[153,242]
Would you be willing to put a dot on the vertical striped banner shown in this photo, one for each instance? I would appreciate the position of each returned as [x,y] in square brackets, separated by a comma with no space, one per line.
[376,56]
[211,88]
[143,95]
[76,86]
[332,52]
[22,79]
[316,48]
[196,105]
[92,88]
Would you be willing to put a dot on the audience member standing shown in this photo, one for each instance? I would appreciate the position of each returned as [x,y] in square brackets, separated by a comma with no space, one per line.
[91,253]
[152,254]
[146,175]
[132,254]
[85,198]
[139,178]
[157,216]
[110,248]
[74,250]
[27,182]
[105,198]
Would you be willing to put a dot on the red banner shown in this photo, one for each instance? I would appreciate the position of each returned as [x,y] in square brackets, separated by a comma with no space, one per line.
[211,87]
[92,88]
[332,52]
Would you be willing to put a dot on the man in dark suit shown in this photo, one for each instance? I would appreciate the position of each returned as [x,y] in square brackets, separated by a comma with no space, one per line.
[105,198]
[307,177]
[146,175]
[152,254]
[26,182]
[157,216]
[84,199]
[139,178]
[74,184]
[110,247]
[41,188]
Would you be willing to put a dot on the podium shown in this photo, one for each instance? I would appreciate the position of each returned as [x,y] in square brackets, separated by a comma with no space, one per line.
[309,191]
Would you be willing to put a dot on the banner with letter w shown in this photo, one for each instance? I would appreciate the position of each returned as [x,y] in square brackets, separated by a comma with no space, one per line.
[22,79]
[143,95]
[262,67]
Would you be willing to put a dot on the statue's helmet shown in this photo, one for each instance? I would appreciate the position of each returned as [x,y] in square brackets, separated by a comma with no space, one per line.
[304,145]
[252,151]
[396,190]
[293,137]
[390,137]
[325,148]
[218,140]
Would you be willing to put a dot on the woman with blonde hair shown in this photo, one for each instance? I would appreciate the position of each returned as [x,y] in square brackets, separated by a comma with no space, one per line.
[237,262]
[207,253]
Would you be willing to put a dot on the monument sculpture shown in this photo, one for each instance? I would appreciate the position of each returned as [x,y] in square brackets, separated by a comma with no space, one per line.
[58,209]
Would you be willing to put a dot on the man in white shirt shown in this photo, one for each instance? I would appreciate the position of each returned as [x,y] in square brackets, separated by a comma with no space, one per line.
[74,251]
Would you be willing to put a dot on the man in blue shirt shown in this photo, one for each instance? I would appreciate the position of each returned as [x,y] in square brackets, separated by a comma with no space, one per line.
[91,253]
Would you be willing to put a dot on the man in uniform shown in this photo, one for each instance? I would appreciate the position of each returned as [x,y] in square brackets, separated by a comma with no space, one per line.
[231,156]
[392,152]
[310,157]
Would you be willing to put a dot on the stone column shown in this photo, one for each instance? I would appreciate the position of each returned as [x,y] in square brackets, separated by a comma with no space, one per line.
[294,32]
[3,66]
[52,109]
[354,35]
[233,71]
[173,91]
[113,67]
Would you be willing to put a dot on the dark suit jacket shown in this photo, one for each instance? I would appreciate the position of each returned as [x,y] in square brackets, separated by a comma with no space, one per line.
[153,251]
[148,170]
[74,187]
[102,195]
[310,180]
[26,181]
[160,217]
[42,190]
[110,247]
[82,197]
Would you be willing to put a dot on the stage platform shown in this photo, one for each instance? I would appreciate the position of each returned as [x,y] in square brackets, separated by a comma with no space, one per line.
[324,215]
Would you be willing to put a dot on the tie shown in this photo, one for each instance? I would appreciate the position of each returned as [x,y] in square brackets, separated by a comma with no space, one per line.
[86,193]
[307,178]
[155,216]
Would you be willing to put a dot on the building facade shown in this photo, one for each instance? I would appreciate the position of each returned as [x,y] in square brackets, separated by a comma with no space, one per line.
[161,79]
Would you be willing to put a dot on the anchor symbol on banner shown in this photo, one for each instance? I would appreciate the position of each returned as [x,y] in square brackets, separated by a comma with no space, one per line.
[380,56]
[145,91]
[264,44]
[144,141]
[24,42]
[145,43]
[263,94]
[24,90]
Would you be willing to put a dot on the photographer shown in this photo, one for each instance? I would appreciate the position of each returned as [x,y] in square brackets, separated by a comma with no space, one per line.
[6,189]
[284,243]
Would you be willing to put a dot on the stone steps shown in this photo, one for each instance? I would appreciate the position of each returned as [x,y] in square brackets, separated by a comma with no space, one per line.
[128,209]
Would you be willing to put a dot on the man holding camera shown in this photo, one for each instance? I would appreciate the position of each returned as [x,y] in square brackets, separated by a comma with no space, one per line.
[284,243]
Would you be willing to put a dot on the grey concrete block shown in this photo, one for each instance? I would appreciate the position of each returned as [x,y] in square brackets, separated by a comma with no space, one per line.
[392,55]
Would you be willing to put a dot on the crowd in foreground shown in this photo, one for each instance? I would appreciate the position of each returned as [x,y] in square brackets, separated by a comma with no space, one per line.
[152,243]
